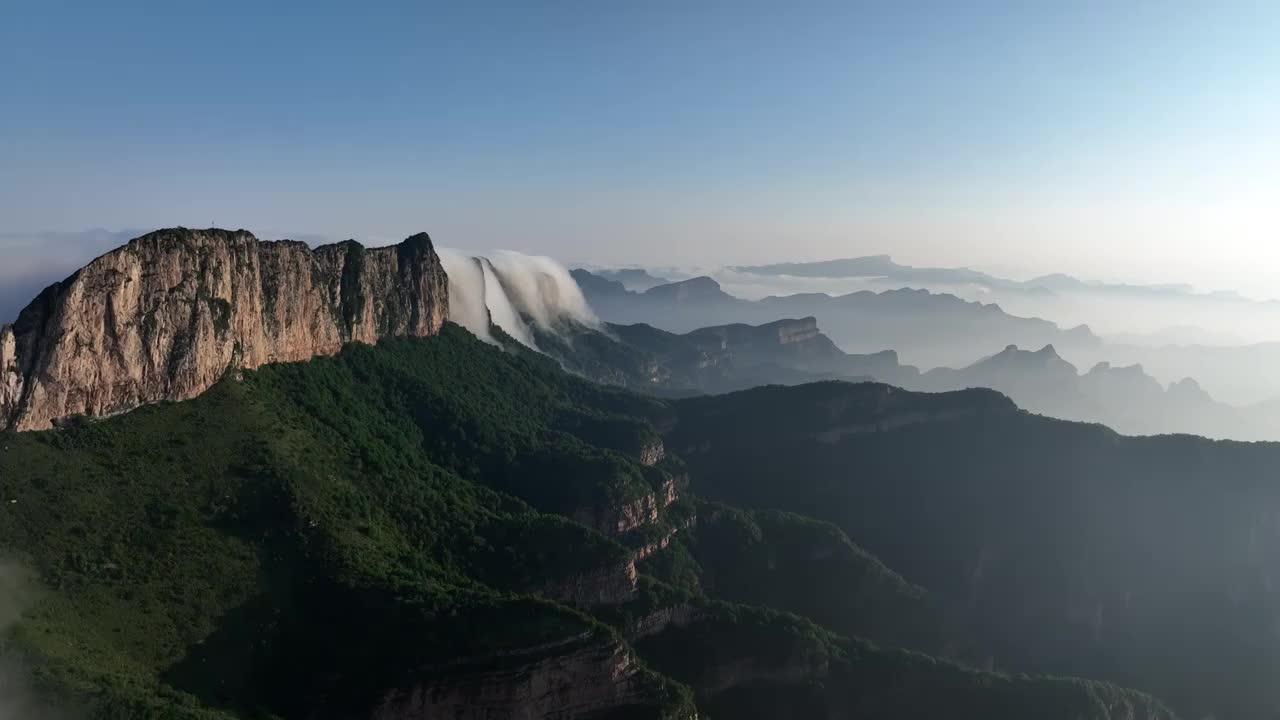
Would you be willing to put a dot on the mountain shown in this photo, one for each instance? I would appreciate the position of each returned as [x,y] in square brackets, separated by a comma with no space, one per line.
[426,523]
[725,358]
[716,359]
[353,536]
[1040,381]
[1064,547]
[599,285]
[1240,375]
[799,345]
[694,290]
[1150,315]
[880,267]
[794,351]
[1060,282]
[165,316]
[636,279]
[926,328]
[438,526]
[1125,398]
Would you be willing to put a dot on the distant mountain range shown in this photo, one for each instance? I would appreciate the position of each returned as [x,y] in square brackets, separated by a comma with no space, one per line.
[938,329]
[883,267]
[929,328]
[1240,375]
[879,266]
[1126,399]
[636,279]
[726,358]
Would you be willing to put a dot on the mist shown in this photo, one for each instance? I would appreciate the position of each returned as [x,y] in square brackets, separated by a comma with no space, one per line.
[18,701]
[1226,341]
[521,294]
[1132,314]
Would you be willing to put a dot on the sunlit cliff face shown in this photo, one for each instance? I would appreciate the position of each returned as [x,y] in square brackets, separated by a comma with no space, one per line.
[513,291]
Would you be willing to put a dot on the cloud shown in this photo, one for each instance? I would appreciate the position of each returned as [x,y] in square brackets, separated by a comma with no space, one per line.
[513,291]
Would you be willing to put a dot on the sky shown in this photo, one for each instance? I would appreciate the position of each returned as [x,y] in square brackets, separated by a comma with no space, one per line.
[1130,141]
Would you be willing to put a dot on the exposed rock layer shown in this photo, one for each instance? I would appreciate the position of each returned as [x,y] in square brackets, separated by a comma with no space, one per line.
[165,317]
[614,520]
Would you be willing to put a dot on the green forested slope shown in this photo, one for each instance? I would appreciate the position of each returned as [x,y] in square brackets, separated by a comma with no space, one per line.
[1064,547]
[212,544]
[305,538]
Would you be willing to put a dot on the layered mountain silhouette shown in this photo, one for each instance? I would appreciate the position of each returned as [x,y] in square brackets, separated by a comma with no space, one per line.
[882,267]
[791,352]
[1117,389]
[1240,374]
[1124,398]
[931,329]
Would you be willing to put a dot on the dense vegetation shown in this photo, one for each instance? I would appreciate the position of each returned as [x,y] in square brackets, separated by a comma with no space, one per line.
[349,517]
[775,559]
[729,644]
[649,360]
[1063,547]
[304,538]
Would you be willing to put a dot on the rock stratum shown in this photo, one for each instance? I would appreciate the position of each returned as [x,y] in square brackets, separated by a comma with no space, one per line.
[166,316]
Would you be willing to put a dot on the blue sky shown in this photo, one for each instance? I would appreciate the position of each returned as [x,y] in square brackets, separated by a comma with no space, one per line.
[1119,140]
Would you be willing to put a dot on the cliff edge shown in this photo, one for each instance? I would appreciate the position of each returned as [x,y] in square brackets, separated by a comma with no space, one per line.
[166,316]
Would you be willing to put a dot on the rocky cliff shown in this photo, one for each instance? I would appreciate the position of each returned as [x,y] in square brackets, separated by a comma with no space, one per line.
[164,317]
[623,517]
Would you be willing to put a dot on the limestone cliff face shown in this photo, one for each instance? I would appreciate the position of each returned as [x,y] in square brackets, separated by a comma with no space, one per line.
[596,679]
[164,317]
[652,452]
[614,520]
